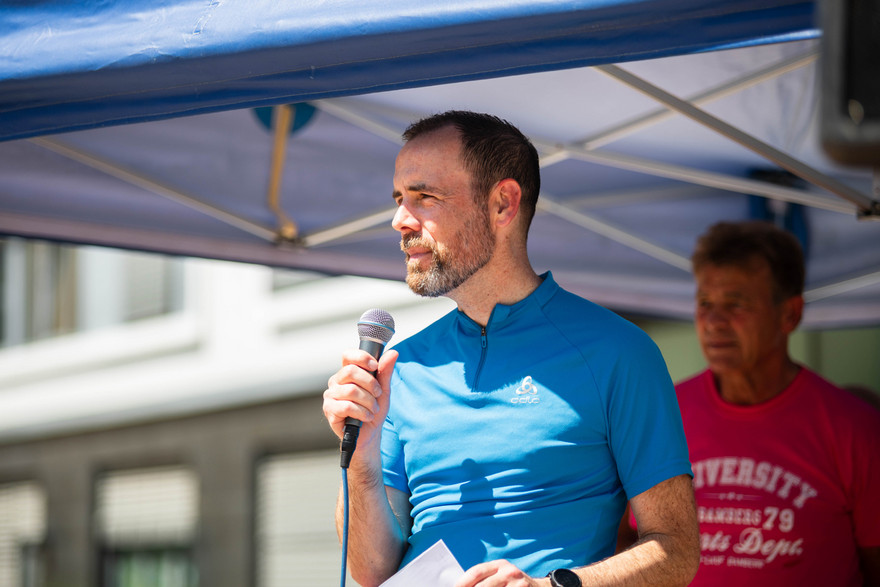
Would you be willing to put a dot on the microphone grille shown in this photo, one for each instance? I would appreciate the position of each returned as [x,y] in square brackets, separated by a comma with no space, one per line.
[376,324]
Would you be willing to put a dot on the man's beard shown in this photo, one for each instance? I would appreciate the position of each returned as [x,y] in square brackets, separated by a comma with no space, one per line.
[451,265]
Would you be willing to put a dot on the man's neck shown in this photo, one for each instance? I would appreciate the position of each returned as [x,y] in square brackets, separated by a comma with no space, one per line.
[754,387]
[496,283]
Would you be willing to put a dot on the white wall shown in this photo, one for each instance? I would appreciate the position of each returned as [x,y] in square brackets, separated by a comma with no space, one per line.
[236,341]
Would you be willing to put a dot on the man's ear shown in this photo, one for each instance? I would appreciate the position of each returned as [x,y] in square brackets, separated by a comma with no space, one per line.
[792,312]
[504,202]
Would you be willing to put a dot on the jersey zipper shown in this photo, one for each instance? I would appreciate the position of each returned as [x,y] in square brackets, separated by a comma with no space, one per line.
[484,343]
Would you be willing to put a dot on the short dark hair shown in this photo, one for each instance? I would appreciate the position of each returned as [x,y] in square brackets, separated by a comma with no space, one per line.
[492,150]
[740,243]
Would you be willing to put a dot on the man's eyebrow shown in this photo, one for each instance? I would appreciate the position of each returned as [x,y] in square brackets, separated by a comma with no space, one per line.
[418,187]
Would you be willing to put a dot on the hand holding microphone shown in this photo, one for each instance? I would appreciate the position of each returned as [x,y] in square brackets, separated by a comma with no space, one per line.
[375,329]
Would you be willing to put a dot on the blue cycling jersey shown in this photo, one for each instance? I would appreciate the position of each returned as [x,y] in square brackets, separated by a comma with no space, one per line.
[522,439]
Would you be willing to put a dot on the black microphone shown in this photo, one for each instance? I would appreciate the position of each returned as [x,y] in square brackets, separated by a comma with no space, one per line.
[375,329]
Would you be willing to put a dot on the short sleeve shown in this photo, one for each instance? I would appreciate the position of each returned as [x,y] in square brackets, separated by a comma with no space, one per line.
[393,468]
[645,427]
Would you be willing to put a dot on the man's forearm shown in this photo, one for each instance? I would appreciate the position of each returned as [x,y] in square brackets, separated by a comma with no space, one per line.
[656,559]
[376,541]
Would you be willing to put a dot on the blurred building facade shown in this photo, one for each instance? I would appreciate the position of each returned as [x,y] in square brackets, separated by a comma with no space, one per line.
[160,418]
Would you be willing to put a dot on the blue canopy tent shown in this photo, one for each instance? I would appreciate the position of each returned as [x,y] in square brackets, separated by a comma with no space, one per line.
[71,66]
[135,127]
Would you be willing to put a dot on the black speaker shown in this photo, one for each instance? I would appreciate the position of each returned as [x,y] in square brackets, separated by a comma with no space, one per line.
[850,78]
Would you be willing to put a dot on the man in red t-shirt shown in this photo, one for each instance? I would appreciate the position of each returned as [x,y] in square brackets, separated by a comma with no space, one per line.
[786,465]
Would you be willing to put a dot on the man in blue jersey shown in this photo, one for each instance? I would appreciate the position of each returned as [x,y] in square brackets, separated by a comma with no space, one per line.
[516,427]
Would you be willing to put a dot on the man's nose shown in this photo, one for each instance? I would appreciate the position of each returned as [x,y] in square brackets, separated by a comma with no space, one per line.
[715,317]
[403,220]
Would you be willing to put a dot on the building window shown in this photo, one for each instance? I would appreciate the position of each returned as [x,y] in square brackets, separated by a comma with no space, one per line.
[296,540]
[151,285]
[283,279]
[22,533]
[146,521]
[39,290]
[47,289]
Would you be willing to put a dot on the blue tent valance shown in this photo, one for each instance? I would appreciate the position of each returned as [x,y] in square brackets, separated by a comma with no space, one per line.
[76,65]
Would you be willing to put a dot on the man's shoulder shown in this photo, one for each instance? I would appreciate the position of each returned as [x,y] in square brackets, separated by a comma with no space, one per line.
[692,383]
[691,391]
[571,312]
[837,400]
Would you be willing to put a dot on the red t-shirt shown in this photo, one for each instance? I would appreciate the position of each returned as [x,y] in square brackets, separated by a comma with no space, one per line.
[786,489]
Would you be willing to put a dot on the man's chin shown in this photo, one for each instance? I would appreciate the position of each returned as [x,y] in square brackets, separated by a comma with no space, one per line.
[425,293]
[420,285]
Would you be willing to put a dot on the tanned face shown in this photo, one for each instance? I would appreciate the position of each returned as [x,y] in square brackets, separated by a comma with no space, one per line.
[739,322]
[445,234]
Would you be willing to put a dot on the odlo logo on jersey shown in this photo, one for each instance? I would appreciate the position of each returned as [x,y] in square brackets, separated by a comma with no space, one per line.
[526,393]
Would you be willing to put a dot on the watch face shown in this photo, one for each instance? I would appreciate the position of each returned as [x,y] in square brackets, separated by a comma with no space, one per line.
[565,578]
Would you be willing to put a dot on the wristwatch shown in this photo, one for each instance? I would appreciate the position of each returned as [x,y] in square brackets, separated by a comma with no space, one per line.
[564,578]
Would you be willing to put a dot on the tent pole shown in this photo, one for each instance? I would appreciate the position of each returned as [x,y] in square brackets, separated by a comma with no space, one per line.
[716,93]
[634,196]
[349,228]
[359,120]
[710,179]
[153,186]
[282,120]
[826,291]
[547,204]
[862,202]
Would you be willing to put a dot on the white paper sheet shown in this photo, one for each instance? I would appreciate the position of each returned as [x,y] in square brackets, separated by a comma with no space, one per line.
[436,567]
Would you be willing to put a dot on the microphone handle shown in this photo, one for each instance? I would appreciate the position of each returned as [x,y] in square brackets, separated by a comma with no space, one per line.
[352,425]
